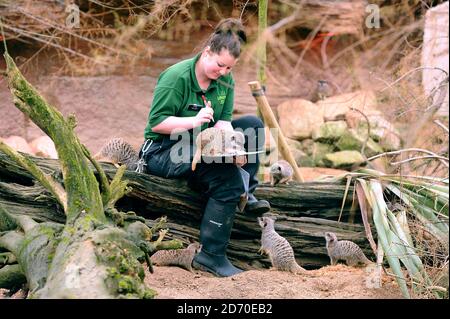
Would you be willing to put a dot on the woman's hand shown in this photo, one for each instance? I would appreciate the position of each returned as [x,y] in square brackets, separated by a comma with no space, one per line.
[240,160]
[205,115]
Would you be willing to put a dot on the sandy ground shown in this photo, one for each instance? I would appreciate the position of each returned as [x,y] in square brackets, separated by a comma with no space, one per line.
[331,282]
[328,282]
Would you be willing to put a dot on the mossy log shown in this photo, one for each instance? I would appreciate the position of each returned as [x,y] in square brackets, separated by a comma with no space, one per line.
[11,277]
[304,211]
[96,251]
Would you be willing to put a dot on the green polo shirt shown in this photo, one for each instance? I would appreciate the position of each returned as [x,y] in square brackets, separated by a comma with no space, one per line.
[178,93]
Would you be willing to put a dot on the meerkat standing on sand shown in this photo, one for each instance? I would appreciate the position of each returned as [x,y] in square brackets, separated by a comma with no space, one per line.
[281,172]
[345,250]
[277,247]
[118,152]
[176,257]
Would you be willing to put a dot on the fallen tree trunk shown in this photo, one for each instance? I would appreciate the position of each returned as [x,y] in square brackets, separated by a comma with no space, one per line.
[97,251]
[305,211]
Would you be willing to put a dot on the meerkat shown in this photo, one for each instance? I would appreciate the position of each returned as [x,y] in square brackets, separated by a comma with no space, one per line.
[281,172]
[217,142]
[118,152]
[277,247]
[345,250]
[322,91]
[176,257]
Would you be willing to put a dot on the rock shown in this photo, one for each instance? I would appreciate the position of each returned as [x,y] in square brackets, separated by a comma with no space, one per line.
[298,117]
[343,159]
[18,143]
[378,124]
[43,146]
[381,130]
[319,150]
[355,119]
[390,142]
[302,159]
[329,131]
[353,140]
[294,144]
[307,146]
[335,107]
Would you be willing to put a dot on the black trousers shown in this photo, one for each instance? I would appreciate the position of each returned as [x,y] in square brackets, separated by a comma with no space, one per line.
[220,181]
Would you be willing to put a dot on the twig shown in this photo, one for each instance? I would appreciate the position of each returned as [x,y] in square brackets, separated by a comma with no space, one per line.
[405,103]
[367,39]
[46,180]
[277,27]
[437,122]
[243,9]
[412,71]
[44,21]
[409,150]
[308,44]
[25,33]
[421,157]
[323,52]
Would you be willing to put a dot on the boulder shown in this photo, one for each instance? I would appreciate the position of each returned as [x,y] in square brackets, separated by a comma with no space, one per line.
[335,107]
[302,159]
[18,143]
[319,150]
[390,141]
[307,146]
[343,159]
[43,146]
[294,144]
[298,117]
[354,140]
[329,131]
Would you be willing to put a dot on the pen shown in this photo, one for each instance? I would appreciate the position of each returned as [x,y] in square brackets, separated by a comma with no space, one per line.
[206,103]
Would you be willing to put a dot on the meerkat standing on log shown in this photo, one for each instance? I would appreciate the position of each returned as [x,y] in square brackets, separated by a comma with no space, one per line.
[176,257]
[281,172]
[118,152]
[345,250]
[277,247]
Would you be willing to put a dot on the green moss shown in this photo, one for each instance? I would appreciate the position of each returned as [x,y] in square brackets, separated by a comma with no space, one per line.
[125,273]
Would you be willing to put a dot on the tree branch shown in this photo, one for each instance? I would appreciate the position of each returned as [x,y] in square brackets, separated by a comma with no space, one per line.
[46,180]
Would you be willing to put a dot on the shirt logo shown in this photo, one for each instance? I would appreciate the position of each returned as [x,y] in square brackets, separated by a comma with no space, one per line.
[221,98]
